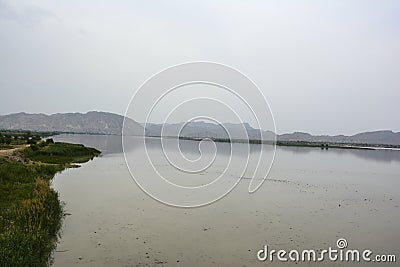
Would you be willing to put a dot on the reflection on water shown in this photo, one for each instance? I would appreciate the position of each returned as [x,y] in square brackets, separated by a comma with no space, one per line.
[112,144]
[377,154]
[107,144]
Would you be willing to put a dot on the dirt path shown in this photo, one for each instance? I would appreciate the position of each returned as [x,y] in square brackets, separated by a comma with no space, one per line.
[11,153]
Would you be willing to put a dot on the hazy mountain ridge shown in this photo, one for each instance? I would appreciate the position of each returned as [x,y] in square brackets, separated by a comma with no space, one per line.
[96,122]
[90,122]
[386,137]
[210,130]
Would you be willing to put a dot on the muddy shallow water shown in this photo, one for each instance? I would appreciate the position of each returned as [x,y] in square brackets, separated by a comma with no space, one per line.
[311,198]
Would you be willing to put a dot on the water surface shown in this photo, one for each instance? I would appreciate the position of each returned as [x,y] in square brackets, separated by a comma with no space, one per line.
[311,198]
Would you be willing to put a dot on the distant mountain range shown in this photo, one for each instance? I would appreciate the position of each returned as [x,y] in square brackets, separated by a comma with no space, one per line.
[201,129]
[95,122]
[211,130]
[375,137]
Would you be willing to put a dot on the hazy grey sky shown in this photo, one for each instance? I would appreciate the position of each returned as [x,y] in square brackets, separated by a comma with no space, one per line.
[325,66]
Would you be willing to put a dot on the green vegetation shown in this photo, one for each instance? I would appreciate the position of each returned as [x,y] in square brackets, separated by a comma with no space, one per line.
[13,139]
[59,153]
[30,211]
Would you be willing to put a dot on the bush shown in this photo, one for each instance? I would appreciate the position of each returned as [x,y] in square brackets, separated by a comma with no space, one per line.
[31,141]
[34,147]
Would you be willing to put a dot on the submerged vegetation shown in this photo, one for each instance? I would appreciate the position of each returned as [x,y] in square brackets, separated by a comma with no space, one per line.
[30,211]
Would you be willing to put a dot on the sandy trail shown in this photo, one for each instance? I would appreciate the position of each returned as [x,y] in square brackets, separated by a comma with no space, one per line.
[10,153]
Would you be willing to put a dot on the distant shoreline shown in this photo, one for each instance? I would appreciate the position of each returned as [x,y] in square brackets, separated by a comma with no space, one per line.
[294,143]
[322,145]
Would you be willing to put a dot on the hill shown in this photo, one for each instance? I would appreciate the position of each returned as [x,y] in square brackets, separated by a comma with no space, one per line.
[92,122]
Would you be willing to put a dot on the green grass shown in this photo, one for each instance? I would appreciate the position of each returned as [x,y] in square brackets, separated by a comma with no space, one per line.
[60,153]
[30,225]
[30,211]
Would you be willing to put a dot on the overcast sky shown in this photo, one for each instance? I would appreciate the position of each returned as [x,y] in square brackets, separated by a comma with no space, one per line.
[326,67]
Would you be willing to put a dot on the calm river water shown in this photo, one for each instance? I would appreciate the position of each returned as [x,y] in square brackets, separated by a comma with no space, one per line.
[311,198]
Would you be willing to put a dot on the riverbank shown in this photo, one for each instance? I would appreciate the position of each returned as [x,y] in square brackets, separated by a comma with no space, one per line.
[30,210]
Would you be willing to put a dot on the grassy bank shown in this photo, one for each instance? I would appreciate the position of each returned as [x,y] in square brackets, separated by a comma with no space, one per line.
[30,211]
